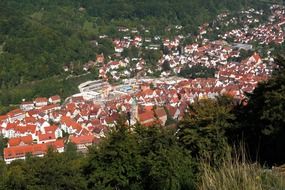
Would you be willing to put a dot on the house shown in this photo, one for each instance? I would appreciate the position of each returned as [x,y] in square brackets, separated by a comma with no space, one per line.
[100,58]
[9,131]
[20,141]
[26,130]
[39,150]
[3,118]
[54,99]
[49,108]
[46,138]
[255,58]
[161,115]
[16,114]
[53,130]
[83,142]
[27,106]
[41,101]
[70,126]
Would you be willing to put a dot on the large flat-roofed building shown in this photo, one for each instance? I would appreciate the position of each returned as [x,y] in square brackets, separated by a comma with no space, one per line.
[90,95]
[96,85]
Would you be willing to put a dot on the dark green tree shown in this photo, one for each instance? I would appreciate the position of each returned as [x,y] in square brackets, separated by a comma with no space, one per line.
[203,129]
[262,120]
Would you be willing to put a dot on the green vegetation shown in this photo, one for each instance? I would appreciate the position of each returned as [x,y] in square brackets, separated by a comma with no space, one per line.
[148,158]
[261,123]
[197,155]
[39,38]
[3,144]
[234,174]
[197,71]
[42,36]
[202,131]
[63,86]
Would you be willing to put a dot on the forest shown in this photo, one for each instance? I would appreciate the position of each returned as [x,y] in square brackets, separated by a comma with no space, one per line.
[216,138]
[38,38]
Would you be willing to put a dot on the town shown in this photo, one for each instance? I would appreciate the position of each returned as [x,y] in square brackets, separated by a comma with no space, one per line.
[87,117]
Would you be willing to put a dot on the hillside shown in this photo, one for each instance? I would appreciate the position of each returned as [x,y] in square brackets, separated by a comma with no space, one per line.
[39,38]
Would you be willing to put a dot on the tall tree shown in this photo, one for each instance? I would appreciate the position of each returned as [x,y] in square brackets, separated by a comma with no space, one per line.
[203,129]
[262,121]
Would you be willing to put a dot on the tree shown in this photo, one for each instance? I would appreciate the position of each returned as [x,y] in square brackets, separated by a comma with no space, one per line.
[145,158]
[166,66]
[262,121]
[197,71]
[71,151]
[3,172]
[3,144]
[16,177]
[203,129]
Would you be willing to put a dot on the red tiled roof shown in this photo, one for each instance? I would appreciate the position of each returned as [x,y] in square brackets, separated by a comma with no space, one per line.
[50,129]
[145,116]
[30,120]
[26,129]
[84,139]
[17,141]
[41,99]
[95,122]
[77,99]
[33,112]
[11,126]
[55,98]
[256,57]
[15,112]
[3,117]
[71,123]
[27,103]
[160,112]
[34,149]
[47,136]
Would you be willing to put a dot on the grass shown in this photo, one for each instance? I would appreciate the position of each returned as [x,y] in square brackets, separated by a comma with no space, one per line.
[239,174]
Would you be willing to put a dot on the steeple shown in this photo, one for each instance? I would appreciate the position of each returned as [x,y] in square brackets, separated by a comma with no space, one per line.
[134,112]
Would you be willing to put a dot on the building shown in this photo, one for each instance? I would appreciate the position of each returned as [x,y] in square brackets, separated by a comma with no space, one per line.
[83,142]
[39,150]
[54,99]
[20,141]
[41,101]
[27,106]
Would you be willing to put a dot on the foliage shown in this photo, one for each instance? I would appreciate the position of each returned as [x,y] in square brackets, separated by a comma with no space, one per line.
[63,86]
[203,129]
[42,36]
[261,123]
[137,157]
[3,144]
[54,171]
[166,66]
[144,159]
[197,71]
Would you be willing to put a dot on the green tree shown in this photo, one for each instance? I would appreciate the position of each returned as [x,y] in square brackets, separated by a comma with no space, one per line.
[203,129]
[3,144]
[166,66]
[261,122]
[145,158]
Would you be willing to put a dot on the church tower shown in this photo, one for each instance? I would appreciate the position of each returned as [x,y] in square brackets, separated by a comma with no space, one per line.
[134,112]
